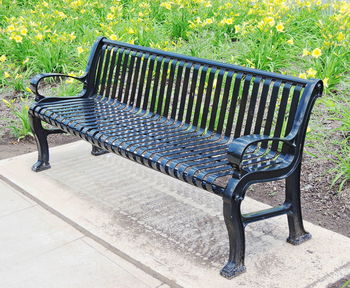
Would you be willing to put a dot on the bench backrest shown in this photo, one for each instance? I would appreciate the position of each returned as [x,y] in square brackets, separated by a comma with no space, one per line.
[217,97]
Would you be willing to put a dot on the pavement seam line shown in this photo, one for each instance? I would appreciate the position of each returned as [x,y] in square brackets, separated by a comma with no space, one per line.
[87,233]
[17,211]
[115,263]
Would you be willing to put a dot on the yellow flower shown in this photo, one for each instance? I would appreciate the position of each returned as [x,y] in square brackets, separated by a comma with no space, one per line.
[7,75]
[238,28]
[28,89]
[17,38]
[208,21]
[166,5]
[61,15]
[69,80]
[280,27]
[71,36]
[302,75]
[25,61]
[290,41]
[325,82]
[23,31]
[131,31]
[340,36]
[270,21]
[39,36]
[316,52]
[45,4]
[306,52]
[110,16]
[308,130]
[113,37]
[11,28]
[3,58]
[311,73]
[228,21]
[207,4]
[80,49]
[141,14]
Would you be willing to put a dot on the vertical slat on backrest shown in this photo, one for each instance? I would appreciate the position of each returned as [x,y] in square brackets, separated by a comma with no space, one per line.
[99,69]
[232,110]
[192,94]
[206,104]
[272,107]
[293,108]
[252,105]
[105,71]
[162,86]
[215,111]
[141,80]
[174,103]
[242,106]
[281,114]
[131,72]
[184,92]
[117,72]
[225,96]
[111,73]
[123,74]
[135,79]
[148,82]
[169,91]
[157,80]
[262,106]
[200,96]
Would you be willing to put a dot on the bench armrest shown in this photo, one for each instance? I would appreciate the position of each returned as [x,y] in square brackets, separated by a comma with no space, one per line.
[34,82]
[239,146]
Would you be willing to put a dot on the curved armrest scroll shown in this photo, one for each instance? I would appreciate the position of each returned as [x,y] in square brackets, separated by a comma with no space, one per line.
[34,82]
[239,146]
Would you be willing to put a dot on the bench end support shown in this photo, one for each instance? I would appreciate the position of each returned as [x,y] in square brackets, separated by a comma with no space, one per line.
[40,166]
[96,151]
[235,228]
[231,270]
[40,135]
[297,233]
[298,240]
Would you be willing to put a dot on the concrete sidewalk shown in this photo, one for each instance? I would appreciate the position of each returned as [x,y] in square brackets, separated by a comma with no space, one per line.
[167,231]
[37,249]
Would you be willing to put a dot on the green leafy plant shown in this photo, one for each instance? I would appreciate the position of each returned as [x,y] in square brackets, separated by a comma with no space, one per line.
[342,168]
[21,127]
[341,112]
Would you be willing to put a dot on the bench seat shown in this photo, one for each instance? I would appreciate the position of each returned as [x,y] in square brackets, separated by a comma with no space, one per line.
[171,147]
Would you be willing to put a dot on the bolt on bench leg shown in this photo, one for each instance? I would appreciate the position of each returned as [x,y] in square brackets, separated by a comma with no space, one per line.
[96,151]
[297,233]
[235,229]
[41,141]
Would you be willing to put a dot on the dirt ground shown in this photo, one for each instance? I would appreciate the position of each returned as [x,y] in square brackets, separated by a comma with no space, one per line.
[322,204]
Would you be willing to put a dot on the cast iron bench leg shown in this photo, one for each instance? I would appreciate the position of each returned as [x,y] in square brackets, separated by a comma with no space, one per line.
[96,151]
[297,233]
[41,141]
[235,229]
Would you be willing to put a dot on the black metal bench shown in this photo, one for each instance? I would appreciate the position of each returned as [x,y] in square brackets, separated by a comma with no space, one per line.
[217,126]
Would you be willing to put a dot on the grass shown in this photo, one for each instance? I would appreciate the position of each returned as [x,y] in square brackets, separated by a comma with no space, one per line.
[309,39]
